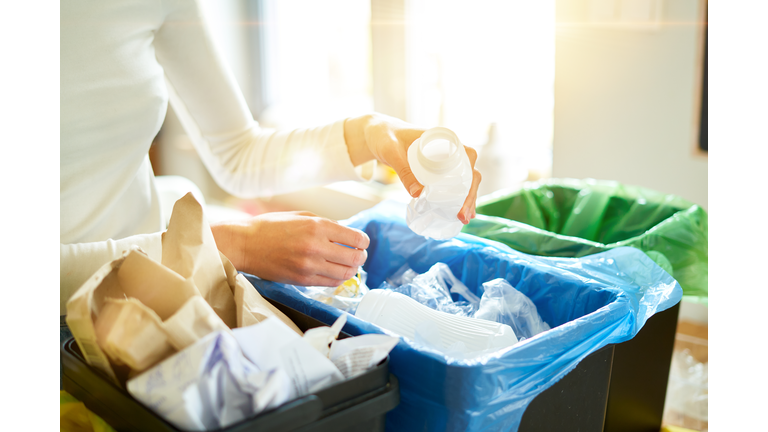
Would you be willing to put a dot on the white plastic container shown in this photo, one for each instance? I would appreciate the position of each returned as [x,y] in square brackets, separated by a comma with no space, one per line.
[440,163]
[403,316]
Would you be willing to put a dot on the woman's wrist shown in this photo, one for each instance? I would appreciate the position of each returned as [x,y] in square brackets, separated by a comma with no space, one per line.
[355,138]
[231,240]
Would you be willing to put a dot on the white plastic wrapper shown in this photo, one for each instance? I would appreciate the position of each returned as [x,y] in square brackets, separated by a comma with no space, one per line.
[345,296]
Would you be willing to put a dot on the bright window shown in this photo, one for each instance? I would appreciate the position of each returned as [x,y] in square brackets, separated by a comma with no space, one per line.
[473,64]
[316,61]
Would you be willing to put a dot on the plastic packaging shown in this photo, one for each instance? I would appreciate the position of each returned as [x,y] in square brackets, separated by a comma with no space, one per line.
[345,296]
[602,299]
[440,163]
[502,303]
[467,337]
[433,289]
[574,218]
[687,398]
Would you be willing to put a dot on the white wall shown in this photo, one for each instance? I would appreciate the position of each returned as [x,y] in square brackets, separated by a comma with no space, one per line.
[627,98]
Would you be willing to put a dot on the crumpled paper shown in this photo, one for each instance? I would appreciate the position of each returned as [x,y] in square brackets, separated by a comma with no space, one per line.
[209,385]
[227,377]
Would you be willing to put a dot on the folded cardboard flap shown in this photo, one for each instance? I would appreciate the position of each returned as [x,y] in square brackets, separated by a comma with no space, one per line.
[135,311]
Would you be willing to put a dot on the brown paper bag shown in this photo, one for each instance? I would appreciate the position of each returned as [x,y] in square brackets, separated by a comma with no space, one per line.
[191,266]
[158,287]
[130,333]
[190,250]
[192,322]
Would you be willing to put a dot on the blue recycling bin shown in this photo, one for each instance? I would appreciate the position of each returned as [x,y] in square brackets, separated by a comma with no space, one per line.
[590,303]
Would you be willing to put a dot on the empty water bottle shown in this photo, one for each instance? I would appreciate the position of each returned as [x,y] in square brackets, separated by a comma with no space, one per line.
[440,163]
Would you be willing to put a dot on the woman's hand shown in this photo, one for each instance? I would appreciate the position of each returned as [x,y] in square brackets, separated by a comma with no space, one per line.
[299,248]
[387,139]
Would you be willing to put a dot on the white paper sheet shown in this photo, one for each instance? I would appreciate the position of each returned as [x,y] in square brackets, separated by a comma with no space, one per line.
[321,337]
[209,385]
[271,344]
[355,355]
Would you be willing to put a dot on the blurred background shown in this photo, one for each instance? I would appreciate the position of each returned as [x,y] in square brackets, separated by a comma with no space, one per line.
[604,89]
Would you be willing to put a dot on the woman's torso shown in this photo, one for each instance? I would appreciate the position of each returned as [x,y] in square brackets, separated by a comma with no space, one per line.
[113,102]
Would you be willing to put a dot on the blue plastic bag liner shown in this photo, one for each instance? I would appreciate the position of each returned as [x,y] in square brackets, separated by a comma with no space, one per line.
[589,302]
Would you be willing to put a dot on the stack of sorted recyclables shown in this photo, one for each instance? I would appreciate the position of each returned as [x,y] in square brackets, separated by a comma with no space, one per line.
[575,218]
[356,404]
[556,380]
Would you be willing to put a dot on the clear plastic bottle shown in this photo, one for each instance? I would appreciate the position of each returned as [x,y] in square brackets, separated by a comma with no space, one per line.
[440,163]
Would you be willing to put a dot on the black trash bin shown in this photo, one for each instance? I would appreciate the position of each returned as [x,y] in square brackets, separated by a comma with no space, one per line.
[575,218]
[360,403]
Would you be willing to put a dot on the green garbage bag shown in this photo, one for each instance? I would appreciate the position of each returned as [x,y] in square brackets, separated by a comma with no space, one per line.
[574,218]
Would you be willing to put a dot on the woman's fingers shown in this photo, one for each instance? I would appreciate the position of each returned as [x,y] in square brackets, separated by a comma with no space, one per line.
[341,257]
[346,236]
[336,272]
[344,256]
[319,280]
[467,211]
[399,163]
[472,154]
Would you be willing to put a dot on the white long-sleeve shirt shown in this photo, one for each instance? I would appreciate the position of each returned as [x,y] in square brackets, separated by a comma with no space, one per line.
[121,62]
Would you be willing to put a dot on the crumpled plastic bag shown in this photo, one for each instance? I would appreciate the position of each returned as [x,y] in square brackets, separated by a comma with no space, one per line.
[687,391]
[500,301]
[433,289]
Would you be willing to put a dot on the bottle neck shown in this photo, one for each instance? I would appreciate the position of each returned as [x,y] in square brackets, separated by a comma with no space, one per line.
[439,150]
